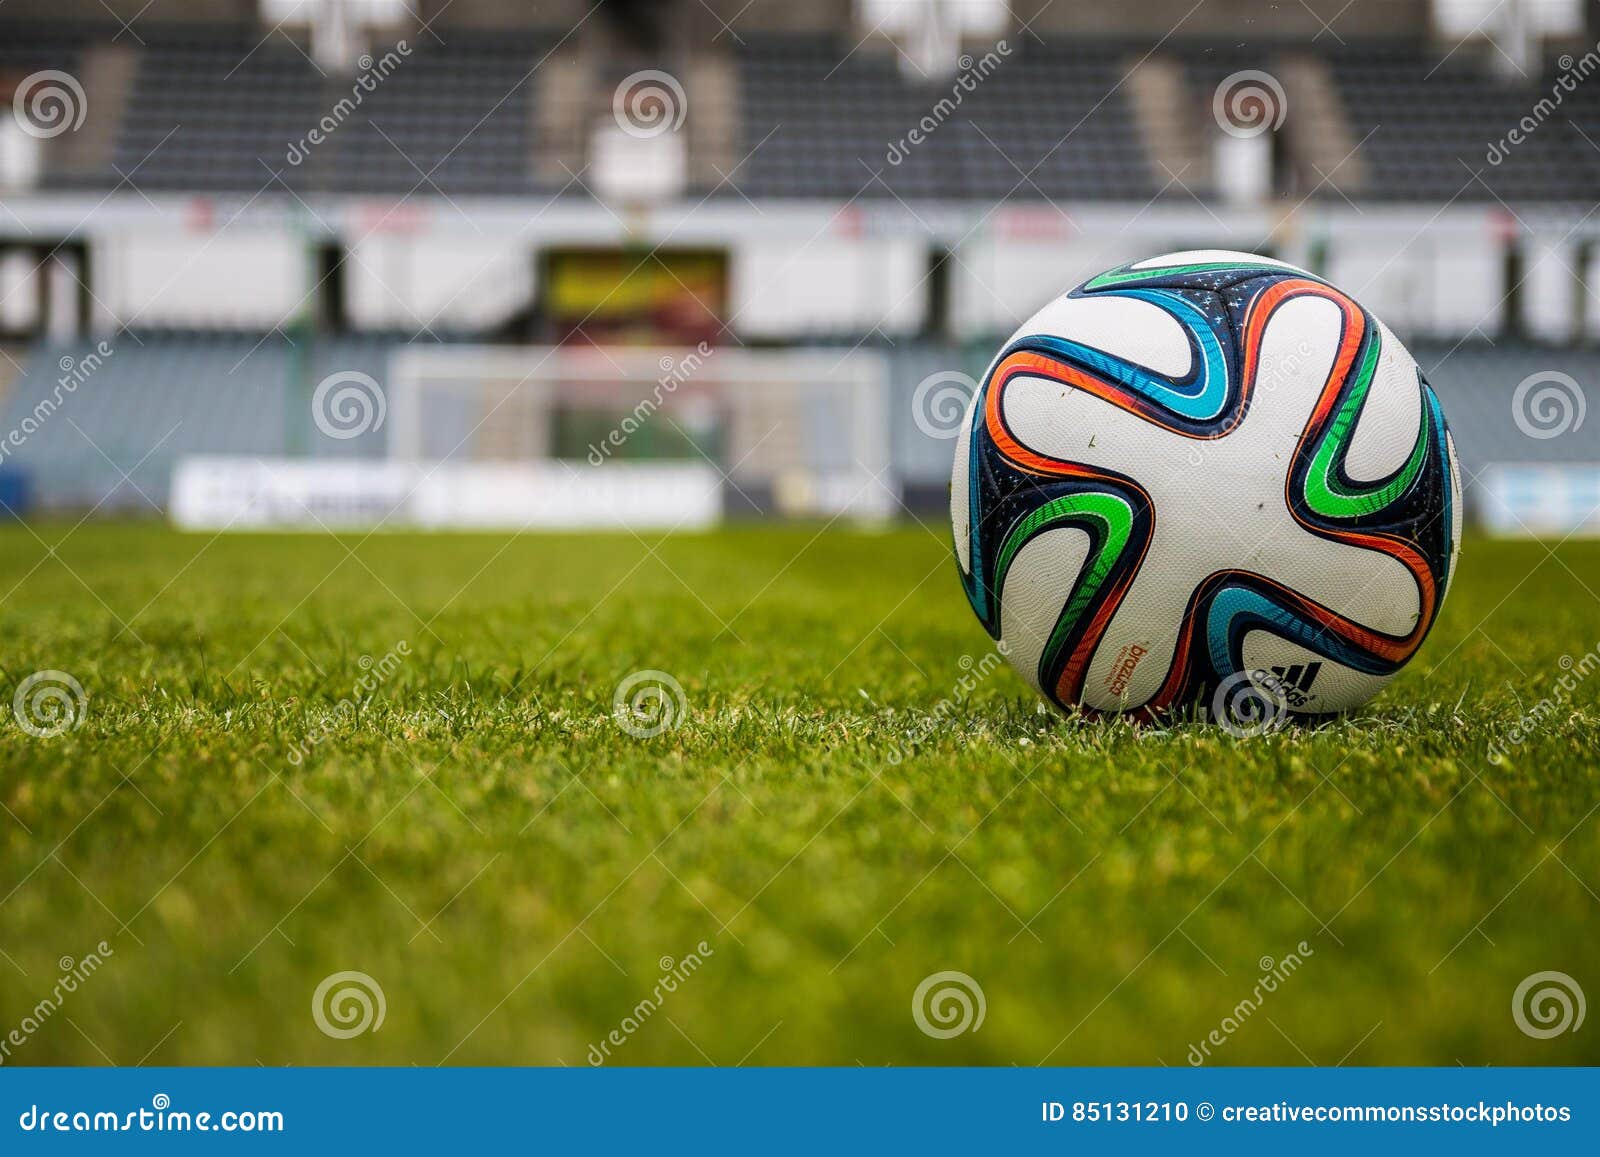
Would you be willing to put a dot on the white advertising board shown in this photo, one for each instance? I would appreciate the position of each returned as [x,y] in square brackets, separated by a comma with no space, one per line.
[214,493]
[1545,501]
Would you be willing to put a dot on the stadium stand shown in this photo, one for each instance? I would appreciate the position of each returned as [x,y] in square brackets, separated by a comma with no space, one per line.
[185,393]
[1039,125]
[208,114]
[1476,380]
[216,111]
[1427,124]
[110,442]
[787,111]
[26,49]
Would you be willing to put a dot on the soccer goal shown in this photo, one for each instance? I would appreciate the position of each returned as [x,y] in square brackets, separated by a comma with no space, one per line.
[793,433]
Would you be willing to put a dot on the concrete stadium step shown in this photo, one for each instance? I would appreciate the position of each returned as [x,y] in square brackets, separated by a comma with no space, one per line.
[106,72]
[561,118]
[1162,106]
[1323,147]
[711,84]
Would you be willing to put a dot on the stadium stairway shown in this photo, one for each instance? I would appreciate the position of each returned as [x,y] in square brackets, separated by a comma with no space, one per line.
[1325,152]
[1164,109]
[84,157]
[561,113]
[711,84]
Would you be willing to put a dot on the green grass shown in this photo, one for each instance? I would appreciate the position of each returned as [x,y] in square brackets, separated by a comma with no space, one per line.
[482,838]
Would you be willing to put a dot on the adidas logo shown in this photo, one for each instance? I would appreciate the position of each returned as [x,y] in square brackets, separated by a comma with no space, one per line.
[1296,681]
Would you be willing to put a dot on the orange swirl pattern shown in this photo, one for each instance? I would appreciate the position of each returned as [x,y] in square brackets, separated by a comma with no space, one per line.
[1070,682]
[1394,649]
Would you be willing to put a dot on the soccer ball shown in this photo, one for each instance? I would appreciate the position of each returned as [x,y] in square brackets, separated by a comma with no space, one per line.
[1207,478]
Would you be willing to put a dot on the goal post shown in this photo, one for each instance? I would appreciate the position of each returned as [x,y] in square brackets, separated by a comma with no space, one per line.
[794,433]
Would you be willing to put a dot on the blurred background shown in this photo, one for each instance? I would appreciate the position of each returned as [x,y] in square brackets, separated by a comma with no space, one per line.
[488,263]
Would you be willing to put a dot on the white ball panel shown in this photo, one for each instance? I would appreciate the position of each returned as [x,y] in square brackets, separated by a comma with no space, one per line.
[1037,588]
[1325,687]
[960,484]
[1218,504]
[1126,327]
[1386,431]
[1371,587]
[1455,514]
[1212,257]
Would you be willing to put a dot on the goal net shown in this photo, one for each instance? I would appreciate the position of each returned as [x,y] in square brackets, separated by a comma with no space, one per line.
[794,433]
